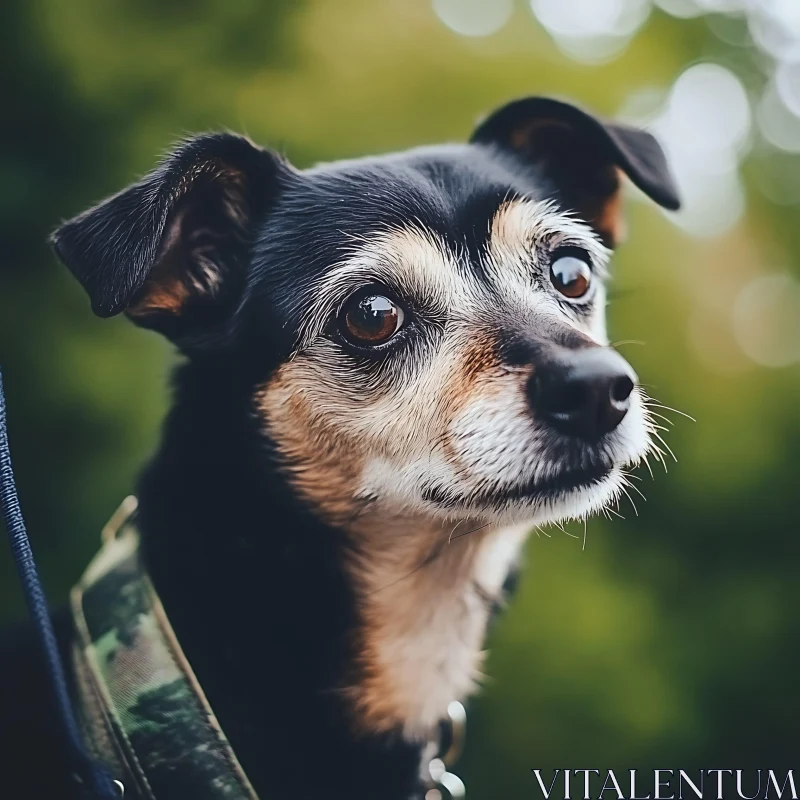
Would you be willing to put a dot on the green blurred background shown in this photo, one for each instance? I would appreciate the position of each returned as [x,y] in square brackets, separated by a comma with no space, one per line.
[671,640]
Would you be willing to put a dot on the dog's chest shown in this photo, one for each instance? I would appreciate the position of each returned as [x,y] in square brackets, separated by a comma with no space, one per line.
[423,633]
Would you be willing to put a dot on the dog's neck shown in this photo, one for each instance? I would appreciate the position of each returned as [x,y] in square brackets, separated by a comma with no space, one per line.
[328,664]
[425,591]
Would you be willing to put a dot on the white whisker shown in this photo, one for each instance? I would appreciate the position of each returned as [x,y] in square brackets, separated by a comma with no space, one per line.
[660,416]
[650,402]
[669,449]
[625,491]
[628,341]
[637,489]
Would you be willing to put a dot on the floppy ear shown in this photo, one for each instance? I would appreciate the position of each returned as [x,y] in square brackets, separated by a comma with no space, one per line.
[581,157]
[172,249]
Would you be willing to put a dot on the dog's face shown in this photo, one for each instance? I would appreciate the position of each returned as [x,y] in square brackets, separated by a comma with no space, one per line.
[431,324]
[439,354]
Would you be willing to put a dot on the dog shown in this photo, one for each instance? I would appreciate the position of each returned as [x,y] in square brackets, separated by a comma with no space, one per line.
[393,368]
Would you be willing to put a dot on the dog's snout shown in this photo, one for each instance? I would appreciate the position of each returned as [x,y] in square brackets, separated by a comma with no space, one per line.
[584,393]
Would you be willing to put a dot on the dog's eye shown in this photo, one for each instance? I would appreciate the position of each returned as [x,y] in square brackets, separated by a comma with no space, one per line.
[369,318]
[571,272]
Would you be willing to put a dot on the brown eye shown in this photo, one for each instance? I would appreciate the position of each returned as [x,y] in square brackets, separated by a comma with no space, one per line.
[370,319]
[571,273]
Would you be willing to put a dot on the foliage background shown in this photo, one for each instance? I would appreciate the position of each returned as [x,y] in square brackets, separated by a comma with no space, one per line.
[672,638]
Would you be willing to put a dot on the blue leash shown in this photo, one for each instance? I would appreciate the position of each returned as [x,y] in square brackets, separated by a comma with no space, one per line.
[94,776]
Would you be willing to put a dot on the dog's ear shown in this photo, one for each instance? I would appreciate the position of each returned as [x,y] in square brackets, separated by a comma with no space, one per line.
[172,249]
[581,157]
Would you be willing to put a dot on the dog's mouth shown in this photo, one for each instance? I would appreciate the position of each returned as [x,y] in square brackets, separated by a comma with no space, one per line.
[535,490]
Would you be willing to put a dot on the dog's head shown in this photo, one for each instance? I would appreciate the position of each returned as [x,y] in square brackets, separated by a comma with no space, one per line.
[426,328]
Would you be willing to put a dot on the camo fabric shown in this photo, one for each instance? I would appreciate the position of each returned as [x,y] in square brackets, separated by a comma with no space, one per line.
[152,706]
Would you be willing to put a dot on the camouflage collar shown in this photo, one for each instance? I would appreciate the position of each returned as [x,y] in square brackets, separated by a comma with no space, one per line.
[143,711]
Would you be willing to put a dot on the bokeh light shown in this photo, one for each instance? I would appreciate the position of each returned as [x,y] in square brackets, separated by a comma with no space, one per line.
[787,83]
[591,30]
[683,9]
[706,119]
[474,17]
[766,320]
[706,123]
[704,127]
[779,126]
[775,27]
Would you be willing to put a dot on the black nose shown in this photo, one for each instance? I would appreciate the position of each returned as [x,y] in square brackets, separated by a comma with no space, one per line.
[583,392]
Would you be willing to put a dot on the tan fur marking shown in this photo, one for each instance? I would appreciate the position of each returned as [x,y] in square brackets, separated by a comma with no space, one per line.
[423,627]
[169,295]
[609,221]
[325,467]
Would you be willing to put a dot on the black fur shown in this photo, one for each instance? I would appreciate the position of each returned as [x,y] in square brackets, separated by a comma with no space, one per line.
[252,581]
[570,145]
